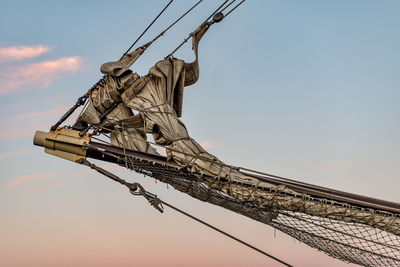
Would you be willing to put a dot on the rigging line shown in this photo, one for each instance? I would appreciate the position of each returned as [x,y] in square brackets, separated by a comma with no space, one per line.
[102,80]
[154,200]
[225,233]
[83,98]
[191,34]
[228,6]
[176,21]
[211,22]
[100,140]
[149,43]
[216,11]
[234,8]
[159,14]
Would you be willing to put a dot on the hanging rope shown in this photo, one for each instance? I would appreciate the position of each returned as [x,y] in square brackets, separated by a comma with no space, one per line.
[138,190]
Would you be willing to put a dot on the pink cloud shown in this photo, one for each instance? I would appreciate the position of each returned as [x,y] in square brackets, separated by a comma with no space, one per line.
[29,178]
[21,52]
[34,177]
[9,154]
[16,133]
[49,185]
[207,145]
[45,113]
[334,165]
[36,76]
[26,124]
[19,133]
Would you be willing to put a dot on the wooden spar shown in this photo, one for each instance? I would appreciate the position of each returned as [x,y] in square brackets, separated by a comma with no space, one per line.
[312,190]
[66,142]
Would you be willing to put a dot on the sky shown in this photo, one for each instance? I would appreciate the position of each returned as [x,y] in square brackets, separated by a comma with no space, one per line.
[302,89]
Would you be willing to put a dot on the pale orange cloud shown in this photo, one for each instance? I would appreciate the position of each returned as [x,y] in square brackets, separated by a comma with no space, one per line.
[207,145]
[16,133]
[21,52]
[9,154]
[29,178]
[26,124]
[6,133]
[45,113]
[49,185]
[335,165]
[36,76]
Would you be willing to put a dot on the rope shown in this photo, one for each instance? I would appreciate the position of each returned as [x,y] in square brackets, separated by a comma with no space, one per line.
[228,6]
[234,8]
[191,34]
[225,233]
[170,55]
[157,203]
[159,14]
[176,21]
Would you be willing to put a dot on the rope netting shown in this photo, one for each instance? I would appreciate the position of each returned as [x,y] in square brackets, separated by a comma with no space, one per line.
[360,243]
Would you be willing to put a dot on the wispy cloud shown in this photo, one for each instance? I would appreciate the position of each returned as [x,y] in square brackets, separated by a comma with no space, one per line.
[29,178]
[6,134]
[50,185]
[21,52]
[335,165]
[45,113]
[10,154]
[25,124]
[207,145]
[37,75]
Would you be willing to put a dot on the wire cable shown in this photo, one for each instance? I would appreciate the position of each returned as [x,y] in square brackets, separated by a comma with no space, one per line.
[148,27]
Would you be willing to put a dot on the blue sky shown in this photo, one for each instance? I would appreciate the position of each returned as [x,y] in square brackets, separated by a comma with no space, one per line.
[304,89]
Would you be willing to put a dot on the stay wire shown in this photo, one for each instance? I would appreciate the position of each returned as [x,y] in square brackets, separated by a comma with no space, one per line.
[216,11]
[234,8]
[211,22]
[157,203]
[176,21]
[191,34]
[225,233]
[228,6]
[154,20]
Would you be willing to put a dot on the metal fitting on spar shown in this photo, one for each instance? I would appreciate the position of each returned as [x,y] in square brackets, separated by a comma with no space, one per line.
[62,142]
